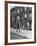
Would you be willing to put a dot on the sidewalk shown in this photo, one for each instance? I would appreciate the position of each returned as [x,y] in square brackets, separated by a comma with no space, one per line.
[23,33]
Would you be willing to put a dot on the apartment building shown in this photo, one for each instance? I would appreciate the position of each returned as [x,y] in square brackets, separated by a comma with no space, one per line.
[21,18]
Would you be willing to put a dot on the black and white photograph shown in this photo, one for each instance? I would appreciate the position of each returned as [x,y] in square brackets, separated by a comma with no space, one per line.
[21,22]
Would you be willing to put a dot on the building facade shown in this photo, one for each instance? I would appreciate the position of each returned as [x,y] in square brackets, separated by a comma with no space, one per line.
[21,18]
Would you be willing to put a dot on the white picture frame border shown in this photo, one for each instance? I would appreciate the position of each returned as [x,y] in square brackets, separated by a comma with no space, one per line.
[20,40]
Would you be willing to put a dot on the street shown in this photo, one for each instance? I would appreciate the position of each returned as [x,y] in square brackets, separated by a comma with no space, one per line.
[23,34]
[16,36]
